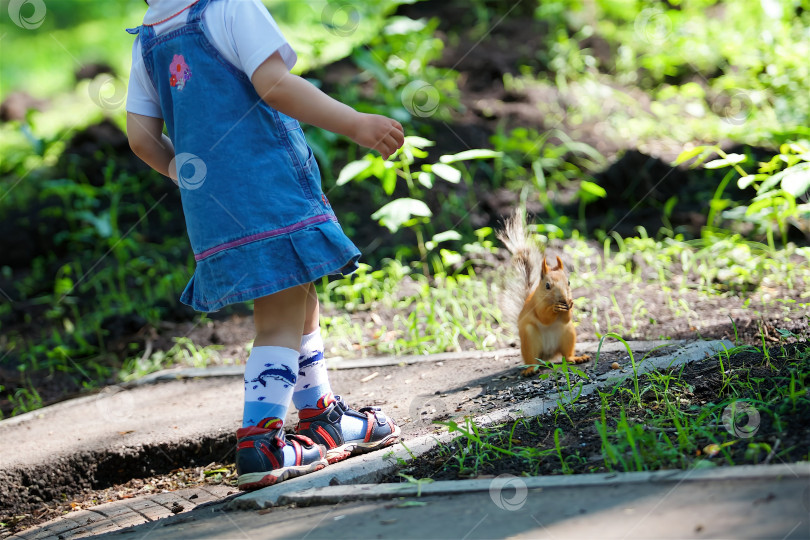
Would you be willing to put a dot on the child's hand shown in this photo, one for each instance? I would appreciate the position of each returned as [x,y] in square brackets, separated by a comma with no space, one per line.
[379,133]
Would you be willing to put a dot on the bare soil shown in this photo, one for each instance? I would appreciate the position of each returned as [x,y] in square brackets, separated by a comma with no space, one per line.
[21,518]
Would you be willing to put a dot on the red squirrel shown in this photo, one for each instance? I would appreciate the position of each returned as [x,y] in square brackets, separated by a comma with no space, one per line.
[538,300]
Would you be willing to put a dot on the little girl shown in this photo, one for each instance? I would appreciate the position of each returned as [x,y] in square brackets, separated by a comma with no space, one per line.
[217,73]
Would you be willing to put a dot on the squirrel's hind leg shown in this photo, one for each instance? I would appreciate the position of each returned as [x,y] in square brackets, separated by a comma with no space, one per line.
[530,370]
[530,343]
[568,344]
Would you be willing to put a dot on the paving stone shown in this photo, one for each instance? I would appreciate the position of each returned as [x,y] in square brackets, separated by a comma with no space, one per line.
[117,515]
[86,517]
[59,525]
[220,492]
[97,528]
[149,508]
[167,500]
[120,513]
[33,534]
[38,533]
[197,496]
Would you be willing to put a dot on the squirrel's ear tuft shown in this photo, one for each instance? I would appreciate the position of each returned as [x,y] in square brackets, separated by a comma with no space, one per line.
[544,269]
[559,264]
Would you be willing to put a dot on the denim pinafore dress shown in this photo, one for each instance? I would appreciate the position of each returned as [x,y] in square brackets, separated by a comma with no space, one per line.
[257,219]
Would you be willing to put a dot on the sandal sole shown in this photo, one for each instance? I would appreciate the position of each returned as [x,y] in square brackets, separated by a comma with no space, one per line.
[251,481]
[350,449]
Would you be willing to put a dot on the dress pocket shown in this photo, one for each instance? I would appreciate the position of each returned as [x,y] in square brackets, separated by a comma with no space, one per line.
[302,153]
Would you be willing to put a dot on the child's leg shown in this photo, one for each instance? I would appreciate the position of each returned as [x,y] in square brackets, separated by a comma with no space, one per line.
[272,369]
[264,455]
[313,311]
[312,389]
[324,418]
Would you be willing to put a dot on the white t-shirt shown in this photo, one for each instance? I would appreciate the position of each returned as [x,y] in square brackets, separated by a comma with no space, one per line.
[242,31]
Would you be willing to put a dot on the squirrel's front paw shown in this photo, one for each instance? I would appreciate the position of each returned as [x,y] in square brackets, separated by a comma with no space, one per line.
[561,307]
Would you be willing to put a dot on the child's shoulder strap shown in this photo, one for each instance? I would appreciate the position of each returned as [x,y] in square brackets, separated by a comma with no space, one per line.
[195,15]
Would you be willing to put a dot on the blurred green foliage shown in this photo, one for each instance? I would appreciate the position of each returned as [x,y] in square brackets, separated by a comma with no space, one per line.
[688,74]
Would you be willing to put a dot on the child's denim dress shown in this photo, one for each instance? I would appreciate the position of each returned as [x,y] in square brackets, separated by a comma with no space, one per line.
[251,189]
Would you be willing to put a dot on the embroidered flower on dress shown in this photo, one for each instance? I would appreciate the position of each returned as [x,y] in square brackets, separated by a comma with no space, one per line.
[180,72]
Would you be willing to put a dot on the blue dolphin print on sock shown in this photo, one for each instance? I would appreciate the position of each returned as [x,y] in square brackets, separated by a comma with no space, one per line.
[318,356]
[284,374]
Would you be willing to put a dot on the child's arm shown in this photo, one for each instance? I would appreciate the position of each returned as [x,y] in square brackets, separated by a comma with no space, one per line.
[298,98]
[147,140]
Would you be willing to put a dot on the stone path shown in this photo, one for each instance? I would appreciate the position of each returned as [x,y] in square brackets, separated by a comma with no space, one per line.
[455,379]
[126,513]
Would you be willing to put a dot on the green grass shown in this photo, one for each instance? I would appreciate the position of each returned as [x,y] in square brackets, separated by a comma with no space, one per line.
[711,72]
[652,422]
[422,316]
[183,353]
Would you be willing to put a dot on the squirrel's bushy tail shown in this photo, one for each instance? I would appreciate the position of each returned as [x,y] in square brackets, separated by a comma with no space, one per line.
[524,273]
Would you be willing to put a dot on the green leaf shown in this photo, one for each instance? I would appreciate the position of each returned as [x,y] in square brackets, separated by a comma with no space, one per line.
[447,172]
[480,153]
[389,181]
[418,142]
[352,170]
[786,333]
[670,204]
[686,155]
[378,166]
[408,504]
[796,180]
[746,181]
[593,189]
[100,222]
[729,160]
[426,179]
[404,25]
[539,175]
[368,62]
[445,236]
[62,286]
[770,202]
[795,183]
[396,213]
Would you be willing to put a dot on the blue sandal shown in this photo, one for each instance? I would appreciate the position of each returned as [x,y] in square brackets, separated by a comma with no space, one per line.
[259,457]
[323,427]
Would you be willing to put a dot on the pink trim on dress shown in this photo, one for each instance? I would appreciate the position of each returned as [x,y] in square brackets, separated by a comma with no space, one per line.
[261,236]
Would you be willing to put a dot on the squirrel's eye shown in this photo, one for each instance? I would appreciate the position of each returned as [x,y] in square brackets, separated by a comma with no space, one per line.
[548,285]
[569,282]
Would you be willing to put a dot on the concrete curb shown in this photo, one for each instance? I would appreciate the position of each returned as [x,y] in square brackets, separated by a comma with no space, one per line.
[336,494]
[537,406]
[383,361]
[367,468]
[41,413]
[374,466]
